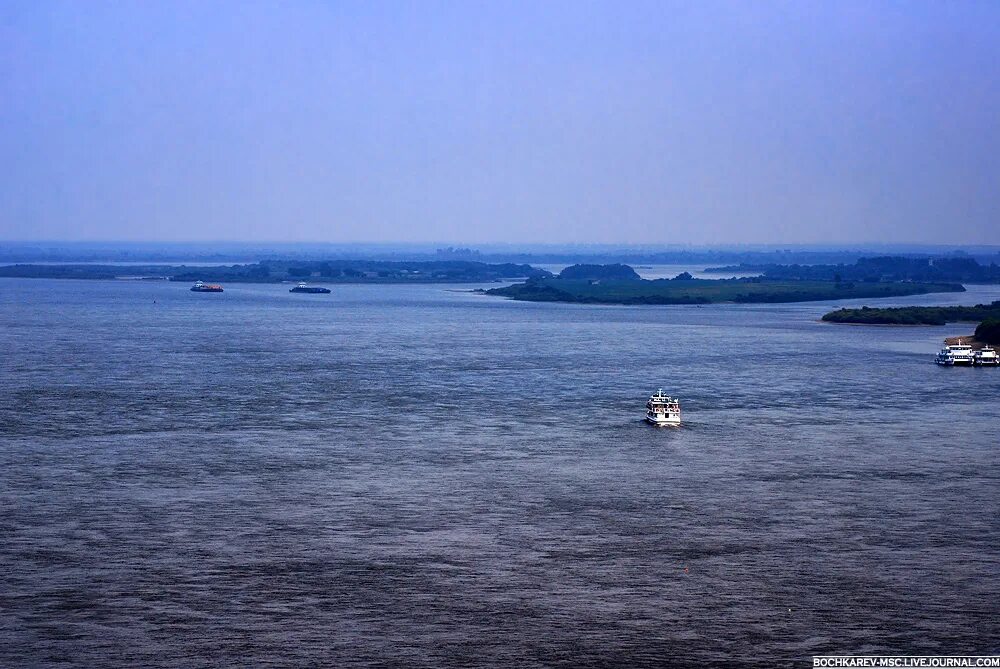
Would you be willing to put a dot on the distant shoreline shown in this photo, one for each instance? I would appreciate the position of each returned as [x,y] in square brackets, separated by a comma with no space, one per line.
[289,271]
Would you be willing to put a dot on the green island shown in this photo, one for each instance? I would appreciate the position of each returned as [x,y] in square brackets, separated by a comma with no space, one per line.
[277,271]
[987,315]
[915,315]
[686,290]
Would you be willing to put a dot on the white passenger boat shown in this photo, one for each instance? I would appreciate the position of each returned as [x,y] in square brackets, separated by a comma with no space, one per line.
[955,354]
[986,357]
[663,409]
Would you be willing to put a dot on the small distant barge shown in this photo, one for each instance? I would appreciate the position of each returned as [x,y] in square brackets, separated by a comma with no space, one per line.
[303,288]
[663,409]
[202,287]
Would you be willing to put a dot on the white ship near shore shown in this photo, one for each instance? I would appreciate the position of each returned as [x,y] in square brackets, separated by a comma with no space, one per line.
[663,409]
[955,354]
[986,357]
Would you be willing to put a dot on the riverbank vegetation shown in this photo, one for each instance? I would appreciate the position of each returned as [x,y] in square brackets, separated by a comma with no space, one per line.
[989,331]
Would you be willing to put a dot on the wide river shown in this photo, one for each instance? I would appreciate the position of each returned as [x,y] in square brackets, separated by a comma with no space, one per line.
[418,476]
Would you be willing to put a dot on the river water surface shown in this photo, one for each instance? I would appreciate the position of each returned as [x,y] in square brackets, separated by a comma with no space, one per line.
[418,476]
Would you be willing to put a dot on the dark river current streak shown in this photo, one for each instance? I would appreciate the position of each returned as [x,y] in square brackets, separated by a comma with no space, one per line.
[420,476]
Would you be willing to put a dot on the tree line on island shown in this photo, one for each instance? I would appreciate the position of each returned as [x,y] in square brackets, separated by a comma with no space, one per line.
[915,315]
[988,331]
[620,284]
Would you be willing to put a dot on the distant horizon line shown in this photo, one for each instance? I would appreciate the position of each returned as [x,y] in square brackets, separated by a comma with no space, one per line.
[473,246]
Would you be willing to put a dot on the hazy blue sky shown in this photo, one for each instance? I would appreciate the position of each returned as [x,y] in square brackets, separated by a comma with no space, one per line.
[626,121]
